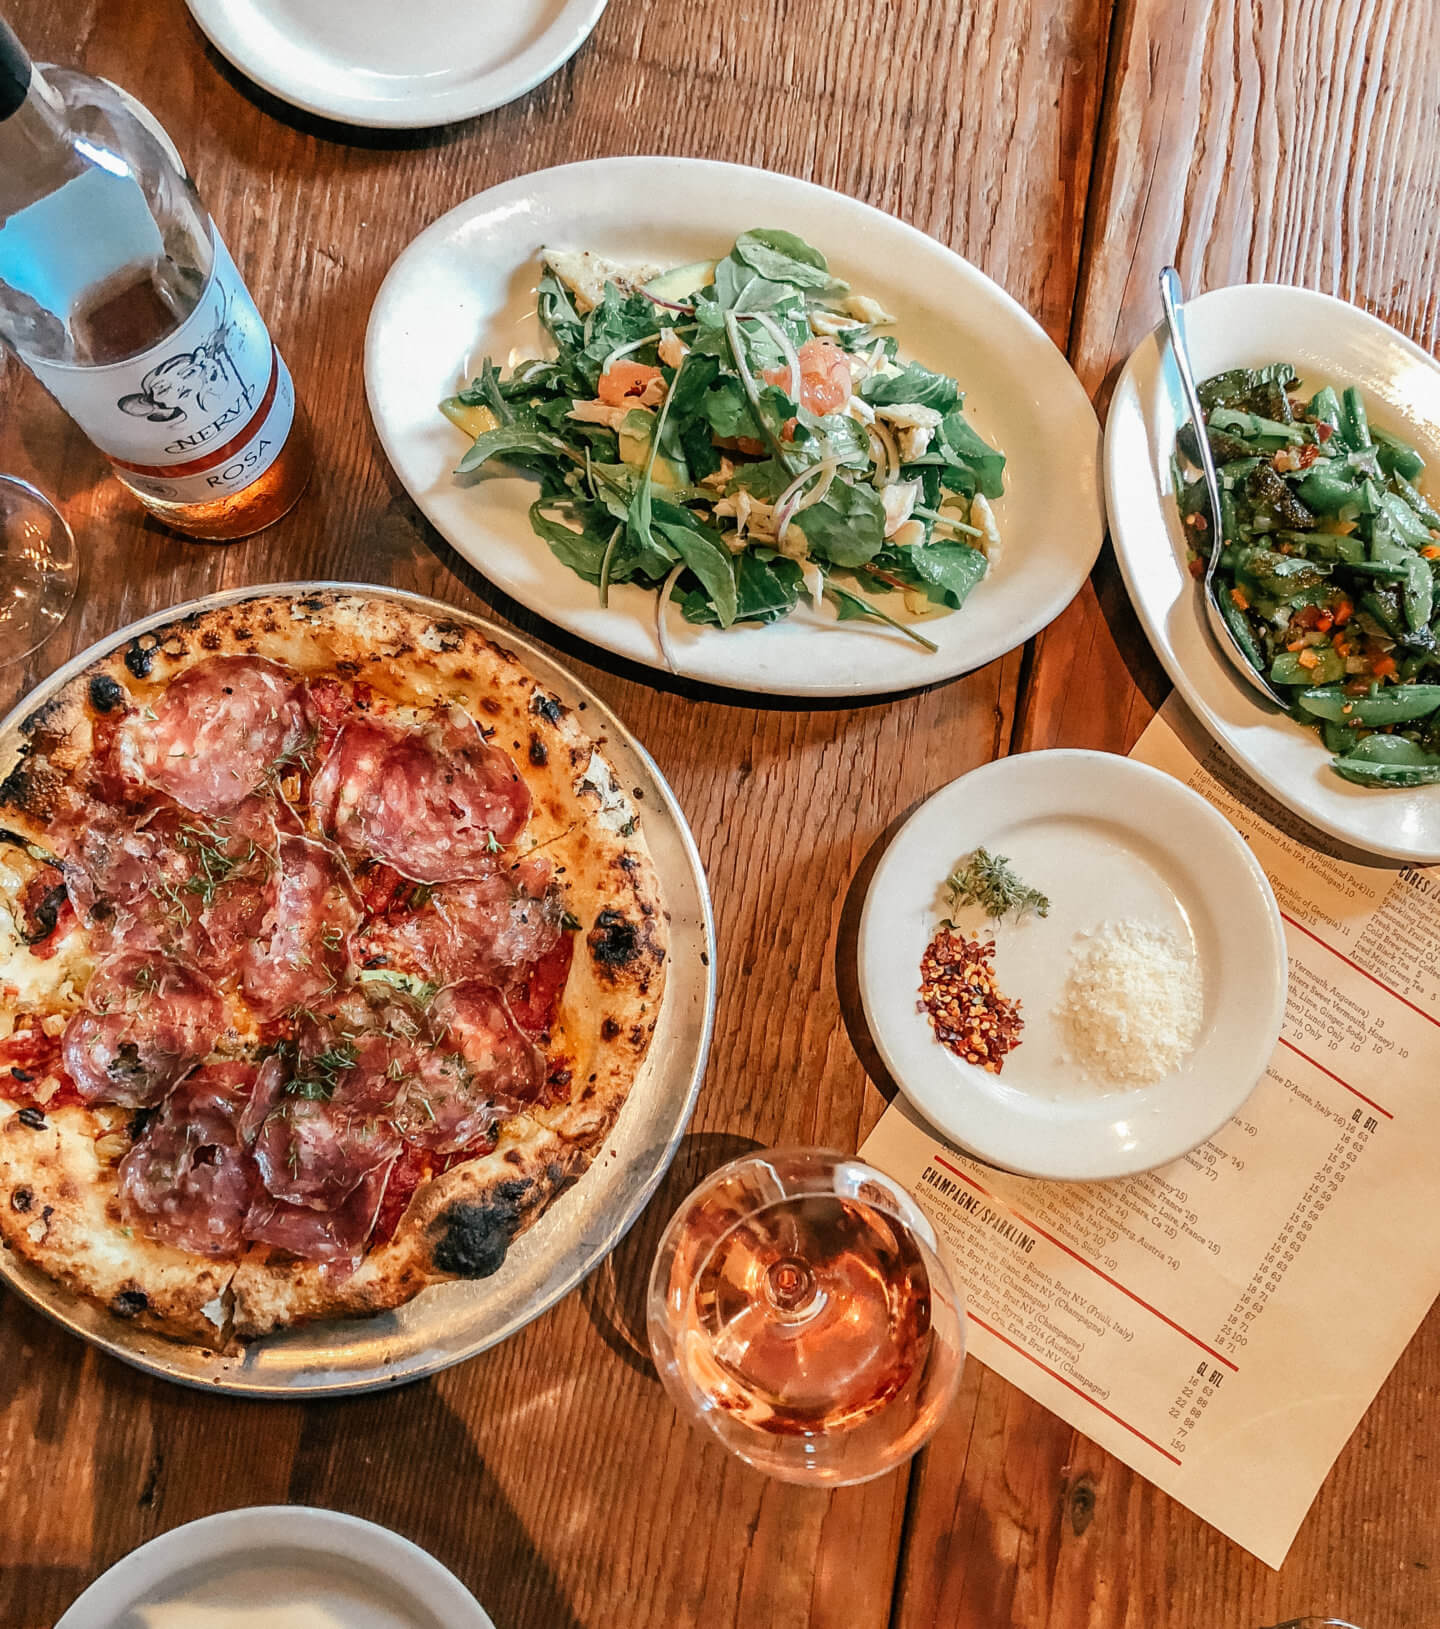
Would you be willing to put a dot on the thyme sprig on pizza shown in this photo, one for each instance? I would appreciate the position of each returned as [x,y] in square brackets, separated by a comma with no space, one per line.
[329,950]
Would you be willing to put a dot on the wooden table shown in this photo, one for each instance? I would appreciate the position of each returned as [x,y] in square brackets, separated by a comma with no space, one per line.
[1068,147]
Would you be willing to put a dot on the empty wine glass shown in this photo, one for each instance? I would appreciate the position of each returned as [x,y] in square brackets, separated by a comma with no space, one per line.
[39,568]
[799,1309]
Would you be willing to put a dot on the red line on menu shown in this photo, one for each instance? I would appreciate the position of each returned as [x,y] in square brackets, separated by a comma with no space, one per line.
[1301,928]
[1059,1244]
[1333,1076]
[1109,1413]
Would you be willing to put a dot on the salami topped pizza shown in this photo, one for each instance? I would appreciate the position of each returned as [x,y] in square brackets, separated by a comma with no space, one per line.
[329,951]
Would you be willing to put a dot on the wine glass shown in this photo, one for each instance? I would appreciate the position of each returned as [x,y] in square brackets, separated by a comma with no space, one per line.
[799,1308]
[39,568]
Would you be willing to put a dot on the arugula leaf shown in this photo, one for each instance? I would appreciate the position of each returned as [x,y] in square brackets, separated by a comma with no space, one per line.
[977,464]
[487,391]
[782,257]
[727,410]
[767,587]
[851,608]
[948,571]
[619,319]
[701,551]
[702,456]
[847,528]
[514,444]
[843,437]
[914,383]
[584,550]
[765,480]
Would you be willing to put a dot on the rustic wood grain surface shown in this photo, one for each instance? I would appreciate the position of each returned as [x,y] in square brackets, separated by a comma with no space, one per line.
[1067,148]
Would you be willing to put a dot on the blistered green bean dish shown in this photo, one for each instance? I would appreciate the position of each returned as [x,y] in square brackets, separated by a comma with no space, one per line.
[1330,571]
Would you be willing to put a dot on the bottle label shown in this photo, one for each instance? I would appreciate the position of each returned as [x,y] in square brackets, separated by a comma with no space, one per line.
[199,415]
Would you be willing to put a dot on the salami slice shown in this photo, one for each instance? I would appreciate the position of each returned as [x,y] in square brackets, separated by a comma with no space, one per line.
[491,929]
[321,1117]
[334,1238]
[149,1020]
[435,800]
[479,1070]
[302,947]
[189,1181]
[166,880]
[217,731]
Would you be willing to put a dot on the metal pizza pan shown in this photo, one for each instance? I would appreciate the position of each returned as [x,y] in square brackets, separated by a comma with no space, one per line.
[449,1323]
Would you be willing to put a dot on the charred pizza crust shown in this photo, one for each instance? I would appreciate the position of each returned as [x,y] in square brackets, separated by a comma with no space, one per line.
[59,1204]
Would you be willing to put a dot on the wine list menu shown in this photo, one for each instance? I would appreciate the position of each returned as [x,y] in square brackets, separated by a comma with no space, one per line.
[1221,1324]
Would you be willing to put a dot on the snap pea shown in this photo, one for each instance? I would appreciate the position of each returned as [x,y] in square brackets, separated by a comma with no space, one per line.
[1339,738]
[1397,457]
[1327,493]
[1355,424]
[1238,625]
[1398,705]
[1388,760]
[1415,500]
[1418,595]
[1324,407]
[1257,431]
[1330,546]
[1326,668]
[1406,522]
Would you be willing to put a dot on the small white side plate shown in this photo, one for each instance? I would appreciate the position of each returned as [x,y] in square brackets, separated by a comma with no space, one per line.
[464,289]
[1105,838]
[277,1567]
[1328,342]
[410,66]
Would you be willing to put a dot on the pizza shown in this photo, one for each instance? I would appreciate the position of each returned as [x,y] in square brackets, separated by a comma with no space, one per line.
[330,948]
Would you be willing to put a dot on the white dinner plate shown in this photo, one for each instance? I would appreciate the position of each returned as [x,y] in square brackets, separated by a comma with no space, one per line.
[464,289]
[277,1567]
[1328,342]
[1105,839]
[410,66]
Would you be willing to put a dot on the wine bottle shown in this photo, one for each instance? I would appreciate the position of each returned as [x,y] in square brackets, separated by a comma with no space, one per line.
[117,292]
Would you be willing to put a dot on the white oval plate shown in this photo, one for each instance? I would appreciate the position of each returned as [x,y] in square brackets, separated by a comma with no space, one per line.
[408,67]
[464,289]
[1328,341]
[277,1567]
[1105,838]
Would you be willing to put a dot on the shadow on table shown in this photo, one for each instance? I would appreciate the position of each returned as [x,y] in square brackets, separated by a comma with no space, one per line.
[847,958]
[614,1294]
[466,1521]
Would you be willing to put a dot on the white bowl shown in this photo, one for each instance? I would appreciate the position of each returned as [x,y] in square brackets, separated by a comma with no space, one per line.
[273,1565]
[1327,341]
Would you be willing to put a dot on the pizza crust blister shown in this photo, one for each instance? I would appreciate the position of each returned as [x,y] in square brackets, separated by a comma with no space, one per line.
[60,1204]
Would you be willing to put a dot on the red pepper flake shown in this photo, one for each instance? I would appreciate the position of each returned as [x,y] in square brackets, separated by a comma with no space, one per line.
[967,1009]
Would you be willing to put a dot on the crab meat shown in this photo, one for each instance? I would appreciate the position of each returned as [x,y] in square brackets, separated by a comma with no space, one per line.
[866,310]
[916,426]
[828,324]
[672,349]
[599,413]
[898,500]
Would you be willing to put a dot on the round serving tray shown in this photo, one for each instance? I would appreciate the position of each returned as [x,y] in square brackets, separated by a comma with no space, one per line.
[451,1322]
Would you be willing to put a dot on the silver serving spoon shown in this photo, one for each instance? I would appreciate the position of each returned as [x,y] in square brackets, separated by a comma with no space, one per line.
[1224,634]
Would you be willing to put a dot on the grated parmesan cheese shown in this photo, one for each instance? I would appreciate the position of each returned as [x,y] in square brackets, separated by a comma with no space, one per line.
[1132,1005]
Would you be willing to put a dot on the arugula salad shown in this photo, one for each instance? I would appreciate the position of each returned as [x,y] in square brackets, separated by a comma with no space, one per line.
[1330,572]
[738,434]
